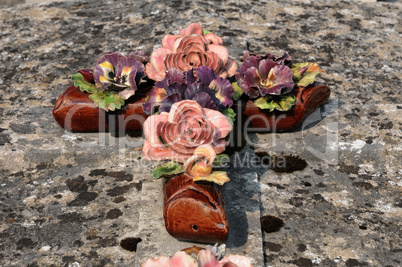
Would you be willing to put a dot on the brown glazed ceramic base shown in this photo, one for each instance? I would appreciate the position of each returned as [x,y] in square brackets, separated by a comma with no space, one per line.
[194,212]
[75,111]
[308,99]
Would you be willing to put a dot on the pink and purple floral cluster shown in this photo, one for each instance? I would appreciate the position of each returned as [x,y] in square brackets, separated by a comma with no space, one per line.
[195,84]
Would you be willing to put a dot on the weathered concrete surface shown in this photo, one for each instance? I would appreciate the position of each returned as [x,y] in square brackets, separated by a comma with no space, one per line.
[69,198]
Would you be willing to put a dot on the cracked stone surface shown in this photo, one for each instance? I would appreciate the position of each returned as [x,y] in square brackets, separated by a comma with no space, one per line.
[71,198]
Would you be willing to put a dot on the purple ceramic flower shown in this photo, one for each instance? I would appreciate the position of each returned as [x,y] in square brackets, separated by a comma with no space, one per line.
[205,87]
[285,59]
[265,75]
[120,74]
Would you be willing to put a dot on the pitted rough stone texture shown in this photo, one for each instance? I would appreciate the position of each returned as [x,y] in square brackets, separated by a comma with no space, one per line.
[71,198]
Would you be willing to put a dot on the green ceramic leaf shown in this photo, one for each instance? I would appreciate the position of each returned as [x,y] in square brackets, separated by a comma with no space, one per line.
[221,160]
[237,91]
[281,102]
[107,100]
[286,102]
[304,73]
[261,103]
[205,32]
[297,69]
[230,114]
[80,82]
[167,169]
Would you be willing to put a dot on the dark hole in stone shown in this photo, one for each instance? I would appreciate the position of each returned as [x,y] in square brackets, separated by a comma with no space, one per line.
[364,185]
[351,262]
[77,184]
[301,247]
[363,227]
[67,259]
[119,199]
[318,197]
[273,246]
[291,164]
[270,224]
[348,169]
[280,164]
[114,214]
[130,243]
[119,190]
[4,138]
[25,243]
[319,172]
[369,140]
[98,172]
[386,126]
[121,176]
[195,228]
[304,262]
[302,191]
[307,184]
[398,203]
[276,185]
[78,243]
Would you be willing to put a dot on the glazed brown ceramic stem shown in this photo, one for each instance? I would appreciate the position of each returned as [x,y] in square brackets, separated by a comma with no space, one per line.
[308,99]
[75,111]
[194,212]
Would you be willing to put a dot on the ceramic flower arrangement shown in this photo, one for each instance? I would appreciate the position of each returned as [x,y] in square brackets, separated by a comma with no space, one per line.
[182,97]
[200,84]
[269,80]
[199,257]
[114,79]
[188,134]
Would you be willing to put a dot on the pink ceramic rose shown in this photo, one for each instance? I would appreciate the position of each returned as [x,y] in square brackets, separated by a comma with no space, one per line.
[235,260]
[187,126]
[205,258]
[179,259]
[189,50]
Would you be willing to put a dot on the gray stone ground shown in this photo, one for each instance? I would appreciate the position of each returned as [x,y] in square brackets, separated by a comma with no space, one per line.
[69,199]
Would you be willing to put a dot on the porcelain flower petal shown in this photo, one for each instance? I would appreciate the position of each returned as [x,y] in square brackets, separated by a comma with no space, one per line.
[259,76]
[162,261]
[177,134]
[117,73]
[209,90]
[189,50]
[240,261]
[194,28]
[207,259]
[182,259]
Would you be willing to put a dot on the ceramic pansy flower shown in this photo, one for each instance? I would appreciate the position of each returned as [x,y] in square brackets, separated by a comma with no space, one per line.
[205,87]
[118,73]
[265,75]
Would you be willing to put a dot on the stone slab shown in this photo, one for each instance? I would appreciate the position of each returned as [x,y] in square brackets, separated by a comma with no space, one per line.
[62,194]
